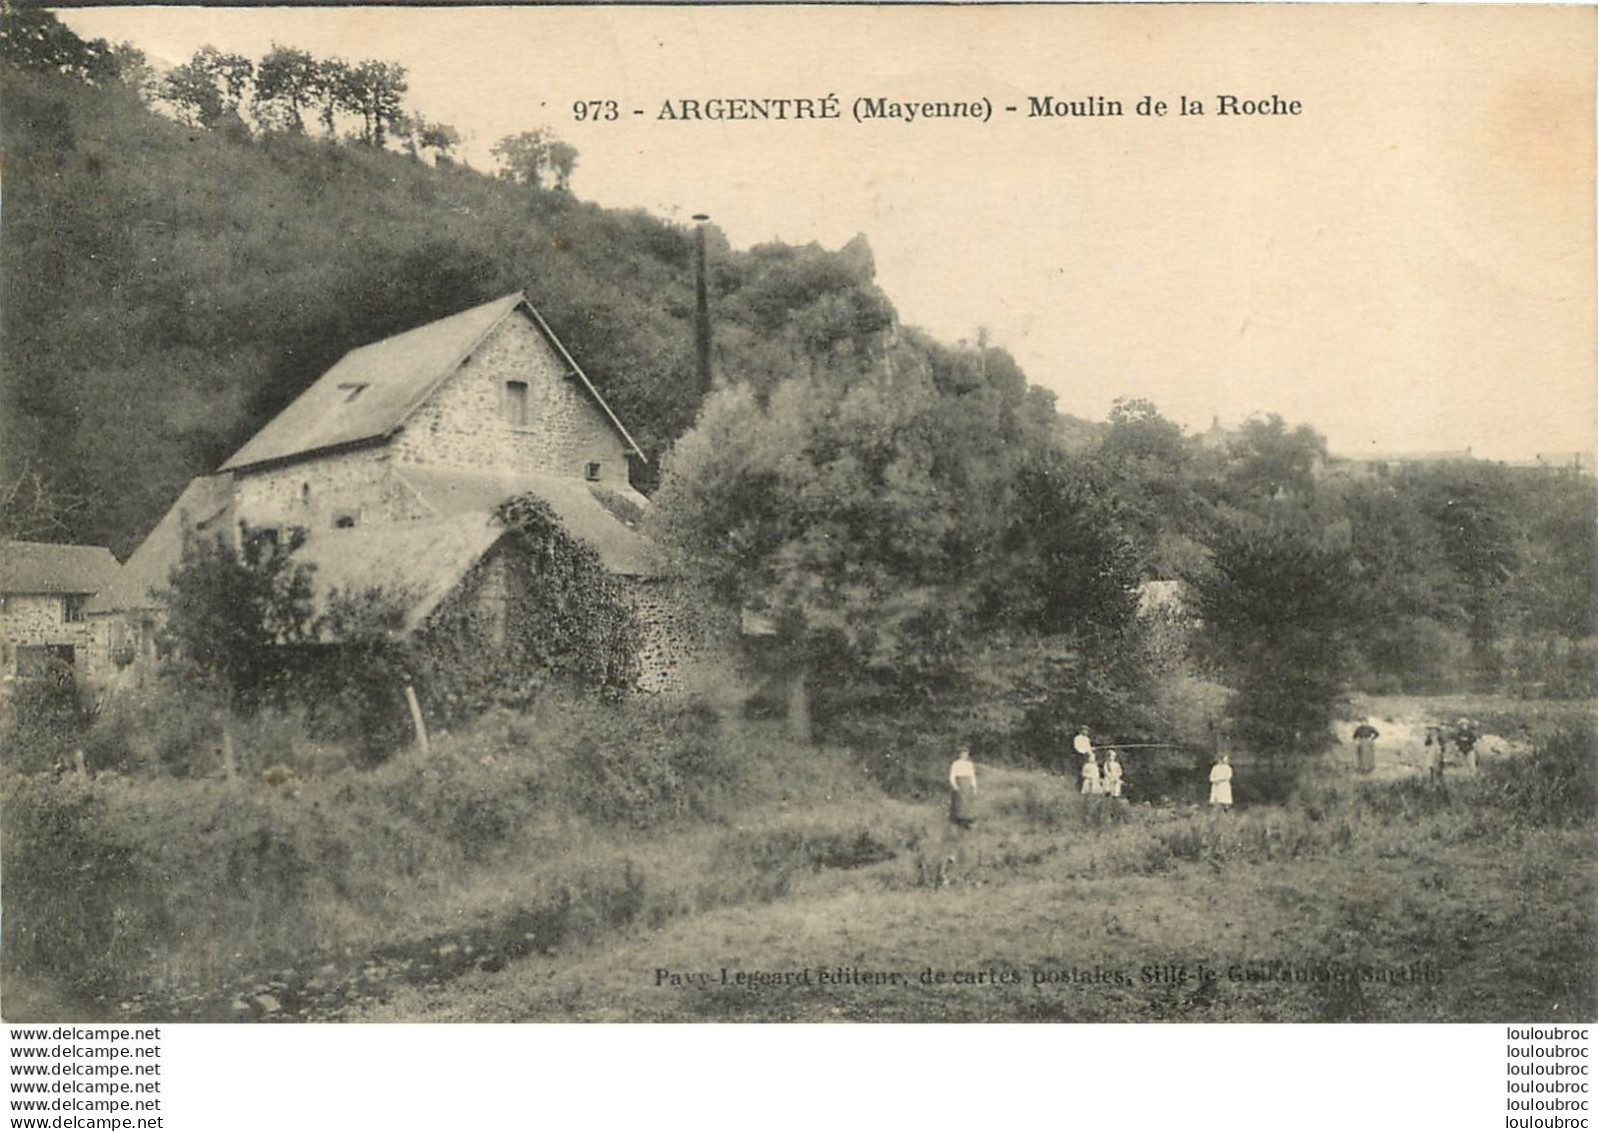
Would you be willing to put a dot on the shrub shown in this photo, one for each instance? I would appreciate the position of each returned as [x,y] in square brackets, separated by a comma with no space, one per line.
[51,714]
[1555,784]
[639,762]
[72,893]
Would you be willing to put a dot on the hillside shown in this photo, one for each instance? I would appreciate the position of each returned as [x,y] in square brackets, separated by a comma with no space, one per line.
[168,289]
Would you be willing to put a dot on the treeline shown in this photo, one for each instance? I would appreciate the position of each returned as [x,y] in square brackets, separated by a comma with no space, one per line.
[925,536]
[932,559]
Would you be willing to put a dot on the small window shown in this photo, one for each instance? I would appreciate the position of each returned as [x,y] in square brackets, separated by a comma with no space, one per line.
[351,390]
[305,494]
[515,405]
[593,473]
[73,611]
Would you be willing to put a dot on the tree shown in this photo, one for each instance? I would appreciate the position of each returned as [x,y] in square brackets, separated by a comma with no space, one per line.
[1138,433]
[286,86]
[1269,461]
[533,157]
[375,91]
[232,614]
[562,160]
[1410,602]
[899,526]
[1150,471]
[1475,509]
[208,90]
[356,688]
[1553,590]
[1061,563]
[329,88]
[440,137]
[32,509]
[1276,607]
[34,39]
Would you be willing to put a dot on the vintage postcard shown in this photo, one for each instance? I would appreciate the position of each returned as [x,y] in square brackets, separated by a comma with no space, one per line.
[798,514]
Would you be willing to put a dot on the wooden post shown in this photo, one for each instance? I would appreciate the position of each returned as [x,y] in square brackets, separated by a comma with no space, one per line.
[416,715]
[83,769]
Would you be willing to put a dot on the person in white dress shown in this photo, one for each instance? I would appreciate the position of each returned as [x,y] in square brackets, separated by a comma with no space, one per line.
[1091,784]
[963,790]
[1112,774]
[1221,783]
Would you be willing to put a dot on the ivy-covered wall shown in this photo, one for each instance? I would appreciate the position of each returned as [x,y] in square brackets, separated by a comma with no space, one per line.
[539,608]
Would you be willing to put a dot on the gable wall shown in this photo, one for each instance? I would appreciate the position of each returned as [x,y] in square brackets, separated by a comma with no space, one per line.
[462,425]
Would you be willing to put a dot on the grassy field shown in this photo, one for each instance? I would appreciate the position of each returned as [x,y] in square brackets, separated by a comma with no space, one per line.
[805,893]
[1406,910]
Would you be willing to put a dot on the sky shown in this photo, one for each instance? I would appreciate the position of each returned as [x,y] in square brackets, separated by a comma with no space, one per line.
[1407,264]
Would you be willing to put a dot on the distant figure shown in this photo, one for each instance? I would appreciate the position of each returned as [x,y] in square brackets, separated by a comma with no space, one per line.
[1365,737]
[1466,735]
[1112,774]
[1437,739]
[1091,784]
[963,790]
[1221,783]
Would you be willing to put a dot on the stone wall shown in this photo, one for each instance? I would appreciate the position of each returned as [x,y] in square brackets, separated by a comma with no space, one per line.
[681,647]
[39,618]
[360,485]
[464,424]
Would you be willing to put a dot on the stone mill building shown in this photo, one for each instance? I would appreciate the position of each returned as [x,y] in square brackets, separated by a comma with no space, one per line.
[393,463]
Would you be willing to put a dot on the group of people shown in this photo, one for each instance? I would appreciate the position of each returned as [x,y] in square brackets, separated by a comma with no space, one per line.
[1462,735]
[1098,780]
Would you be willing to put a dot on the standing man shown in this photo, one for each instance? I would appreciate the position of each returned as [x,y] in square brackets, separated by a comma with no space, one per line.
[1365,737]
[1466,735]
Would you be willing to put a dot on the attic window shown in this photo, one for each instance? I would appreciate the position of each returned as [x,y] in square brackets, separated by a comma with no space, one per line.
[593,473]
[514,405]
[351,390]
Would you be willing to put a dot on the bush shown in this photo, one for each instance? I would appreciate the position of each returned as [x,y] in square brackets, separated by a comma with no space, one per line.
[72,894]
[162,729]
[640,762]
[1555,784]
[50,714]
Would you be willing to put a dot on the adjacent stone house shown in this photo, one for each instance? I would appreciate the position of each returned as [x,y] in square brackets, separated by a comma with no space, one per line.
[394,461]
[44,590]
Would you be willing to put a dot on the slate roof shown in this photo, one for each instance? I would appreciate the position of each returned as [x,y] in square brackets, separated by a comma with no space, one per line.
[204,504]
[623,550]
[422,559]
[51,567]
[373,389]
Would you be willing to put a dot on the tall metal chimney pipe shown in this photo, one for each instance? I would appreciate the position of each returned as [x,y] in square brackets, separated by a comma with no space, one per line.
[701,309]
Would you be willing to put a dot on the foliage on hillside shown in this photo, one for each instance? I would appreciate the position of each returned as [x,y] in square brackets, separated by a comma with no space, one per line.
[169,289]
